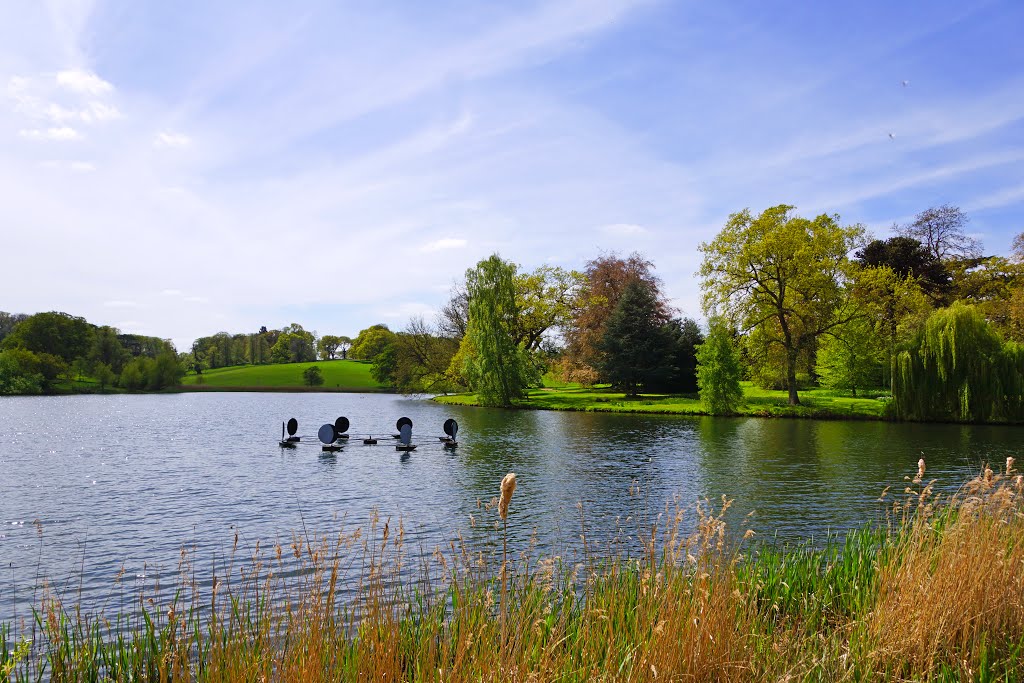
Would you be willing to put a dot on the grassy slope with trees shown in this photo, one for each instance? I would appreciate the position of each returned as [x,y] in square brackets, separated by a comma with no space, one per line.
[337,375]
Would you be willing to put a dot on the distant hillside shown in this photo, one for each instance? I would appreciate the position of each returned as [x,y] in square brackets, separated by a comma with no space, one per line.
[339,375]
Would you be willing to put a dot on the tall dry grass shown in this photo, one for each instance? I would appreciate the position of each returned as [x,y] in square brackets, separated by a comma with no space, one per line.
[934,594]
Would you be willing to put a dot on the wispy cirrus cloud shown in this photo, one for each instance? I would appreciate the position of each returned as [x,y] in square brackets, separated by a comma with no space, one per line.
[60,134]
[444,243]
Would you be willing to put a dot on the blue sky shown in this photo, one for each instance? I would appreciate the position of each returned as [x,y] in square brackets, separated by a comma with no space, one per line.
[177,169]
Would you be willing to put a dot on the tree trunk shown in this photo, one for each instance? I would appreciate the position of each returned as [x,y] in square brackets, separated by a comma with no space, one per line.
[791,356]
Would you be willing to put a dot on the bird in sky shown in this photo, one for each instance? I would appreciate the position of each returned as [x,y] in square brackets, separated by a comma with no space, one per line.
[892,136]
[906,83]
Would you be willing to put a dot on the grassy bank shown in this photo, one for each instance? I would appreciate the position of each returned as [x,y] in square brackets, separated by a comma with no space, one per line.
[819,403]
[339,375]
[935,594]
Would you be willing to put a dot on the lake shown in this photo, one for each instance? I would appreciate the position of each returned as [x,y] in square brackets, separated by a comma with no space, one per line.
[93,485]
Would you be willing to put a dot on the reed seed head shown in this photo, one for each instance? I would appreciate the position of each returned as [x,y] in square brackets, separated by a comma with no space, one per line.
[508,487]
[920,469]
[1009,464]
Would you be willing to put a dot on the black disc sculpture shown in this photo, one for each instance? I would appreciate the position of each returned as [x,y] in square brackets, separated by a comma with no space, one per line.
[340,427]
[451,428]
[291,439]
[328,435]
[404,425]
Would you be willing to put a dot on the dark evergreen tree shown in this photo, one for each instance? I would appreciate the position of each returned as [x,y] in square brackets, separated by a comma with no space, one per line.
[636,345]
[684,336]
[907,257]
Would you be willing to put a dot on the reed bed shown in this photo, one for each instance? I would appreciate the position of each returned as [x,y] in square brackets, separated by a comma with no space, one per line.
[933,593]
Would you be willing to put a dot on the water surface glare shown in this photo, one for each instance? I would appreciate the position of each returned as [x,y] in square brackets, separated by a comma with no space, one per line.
[93,484]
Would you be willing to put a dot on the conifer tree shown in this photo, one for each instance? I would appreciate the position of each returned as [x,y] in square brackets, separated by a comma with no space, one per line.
[718,371]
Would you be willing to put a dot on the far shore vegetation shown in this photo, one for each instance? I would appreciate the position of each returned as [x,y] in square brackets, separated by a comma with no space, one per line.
[922,325]
[754,401]
[931,592]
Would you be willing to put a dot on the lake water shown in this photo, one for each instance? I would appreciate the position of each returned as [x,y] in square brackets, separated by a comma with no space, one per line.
[93,484]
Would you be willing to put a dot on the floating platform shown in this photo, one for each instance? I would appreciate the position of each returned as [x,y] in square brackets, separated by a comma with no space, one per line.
[410,447]
[331,448]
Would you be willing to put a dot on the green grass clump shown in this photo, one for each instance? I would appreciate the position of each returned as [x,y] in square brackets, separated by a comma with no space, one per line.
[339,375]
[934,594]
[815,403]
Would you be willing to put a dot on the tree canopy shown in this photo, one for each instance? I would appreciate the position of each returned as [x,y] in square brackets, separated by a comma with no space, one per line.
[780,275]
[496,366]
[958,368]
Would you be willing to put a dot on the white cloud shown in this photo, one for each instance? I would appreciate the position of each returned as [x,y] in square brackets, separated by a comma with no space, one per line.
[170,139]
[66,165]
[445,243]
[60,134]
[122,304]
[625,229]
[81,81]
[171,292]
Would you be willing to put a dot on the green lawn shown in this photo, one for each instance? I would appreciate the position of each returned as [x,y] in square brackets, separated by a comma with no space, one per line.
[339,375]
[820,403]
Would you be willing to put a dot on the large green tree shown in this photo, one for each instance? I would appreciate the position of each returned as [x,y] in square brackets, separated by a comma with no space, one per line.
[497,368]
[783,276]
[328,346]
[58,334]
[108,350]
[370,342]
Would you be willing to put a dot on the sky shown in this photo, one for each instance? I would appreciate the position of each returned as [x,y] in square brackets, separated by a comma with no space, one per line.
[179,169]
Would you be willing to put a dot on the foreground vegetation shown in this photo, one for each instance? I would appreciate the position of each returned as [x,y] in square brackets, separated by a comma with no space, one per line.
[816,403]
[337,375]
[934,593]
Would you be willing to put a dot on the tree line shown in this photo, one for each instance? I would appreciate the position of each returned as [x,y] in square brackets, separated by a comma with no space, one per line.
[791,303]
[924,314]
[504,327]
[44,352]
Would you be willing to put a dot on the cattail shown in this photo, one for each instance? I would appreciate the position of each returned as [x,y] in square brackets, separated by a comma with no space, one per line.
[988,475]
[508,487]
[1009,465]
[1019,481]
[920,468]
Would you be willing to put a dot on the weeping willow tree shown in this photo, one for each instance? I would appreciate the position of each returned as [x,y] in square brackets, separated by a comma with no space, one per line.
[958,368]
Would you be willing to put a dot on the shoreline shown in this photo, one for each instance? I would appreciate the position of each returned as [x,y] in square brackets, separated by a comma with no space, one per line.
[203,388]
[811,414]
